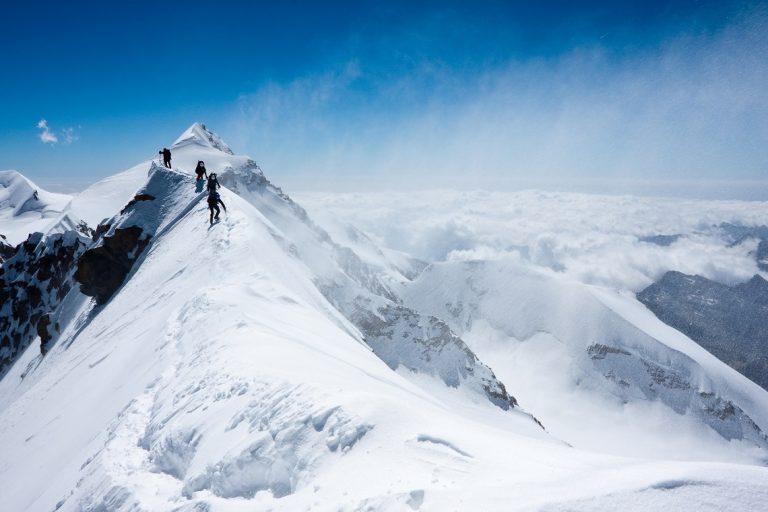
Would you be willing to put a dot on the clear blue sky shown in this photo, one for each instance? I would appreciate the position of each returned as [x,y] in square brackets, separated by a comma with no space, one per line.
[357,94]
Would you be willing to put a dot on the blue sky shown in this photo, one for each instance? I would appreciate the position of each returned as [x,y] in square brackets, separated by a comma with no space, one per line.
[365,95]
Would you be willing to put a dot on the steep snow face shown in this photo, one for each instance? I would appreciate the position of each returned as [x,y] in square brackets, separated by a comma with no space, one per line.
[216,372]
[26,208]
[221,375]
[595,366]
[199,134]
[163,200]
[104,198]
[219,378]
[362,291]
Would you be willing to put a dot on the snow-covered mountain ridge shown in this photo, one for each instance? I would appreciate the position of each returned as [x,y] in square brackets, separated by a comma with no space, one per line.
[25,207]
[264,363]
[729,321]
[599,347]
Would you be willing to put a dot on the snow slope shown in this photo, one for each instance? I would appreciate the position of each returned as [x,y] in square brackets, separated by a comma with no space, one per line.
[26,208]
[595,366]
[228,382]
[361,289]
[221,377]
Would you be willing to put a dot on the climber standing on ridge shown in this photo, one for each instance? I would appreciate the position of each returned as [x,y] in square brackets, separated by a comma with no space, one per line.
[200,170]
[214,200]
[166,157]
[213,183]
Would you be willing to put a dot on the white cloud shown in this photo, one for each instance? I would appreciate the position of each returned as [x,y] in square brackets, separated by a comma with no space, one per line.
[46,135]
[595,239]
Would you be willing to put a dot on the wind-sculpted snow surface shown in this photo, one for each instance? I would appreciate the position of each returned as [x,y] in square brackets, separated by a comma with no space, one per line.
[542,317]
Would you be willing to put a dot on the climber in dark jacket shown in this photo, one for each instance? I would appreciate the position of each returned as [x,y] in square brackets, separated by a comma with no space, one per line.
[213,183]
[214,200]
[200,170]
[166,157]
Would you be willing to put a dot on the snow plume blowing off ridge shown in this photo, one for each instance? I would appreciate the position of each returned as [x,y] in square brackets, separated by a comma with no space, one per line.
[263,363]
[685,115]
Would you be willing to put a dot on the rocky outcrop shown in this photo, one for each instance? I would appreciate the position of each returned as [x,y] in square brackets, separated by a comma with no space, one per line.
[762,255]
[136,199]
[425,344]
[636,376]
[735,234]
[102,269]
[120,241]
[6,249]
[729,321]
[33,283]
[660,240]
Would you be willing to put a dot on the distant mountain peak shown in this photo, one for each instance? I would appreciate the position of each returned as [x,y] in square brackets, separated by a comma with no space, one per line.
[199,134]
[25,207]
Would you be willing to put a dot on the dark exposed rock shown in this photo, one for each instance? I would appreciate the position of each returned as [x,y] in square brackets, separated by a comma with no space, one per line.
[665,377]
[662,240]
[762,255]
[737,233]
[85,229]
[101,270]
[6,249]
[425,344]
[136,199]
[33,283]
[44,331]
[100,230]
[598,351]
[729,321]
[672,383]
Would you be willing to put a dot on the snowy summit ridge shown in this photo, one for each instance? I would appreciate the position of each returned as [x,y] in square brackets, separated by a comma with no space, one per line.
[265,362]
[199,134]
